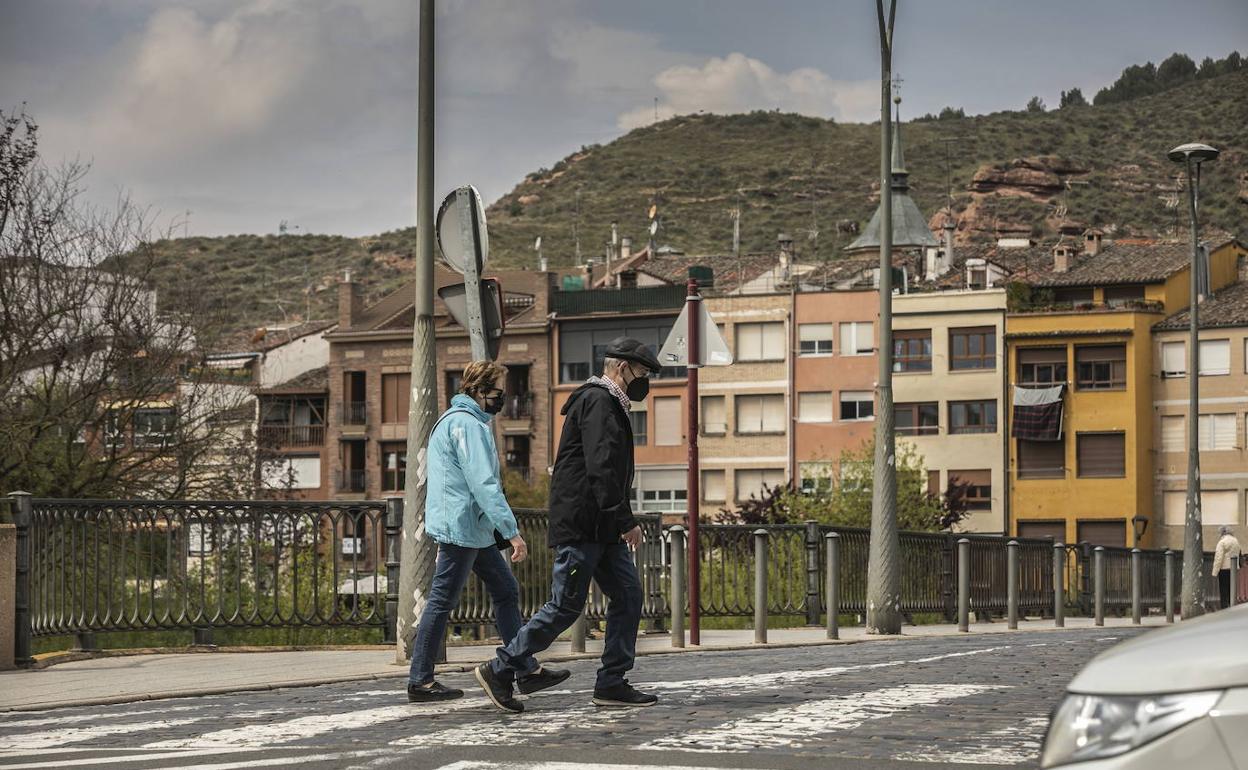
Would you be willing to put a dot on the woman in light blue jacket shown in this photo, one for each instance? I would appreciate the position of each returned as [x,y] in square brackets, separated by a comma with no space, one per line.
[468,516]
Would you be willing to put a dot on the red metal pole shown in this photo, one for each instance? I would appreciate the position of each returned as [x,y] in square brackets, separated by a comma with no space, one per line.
[693,494]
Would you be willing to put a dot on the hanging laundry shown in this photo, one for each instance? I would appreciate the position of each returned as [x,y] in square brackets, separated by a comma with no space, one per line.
[1038,413]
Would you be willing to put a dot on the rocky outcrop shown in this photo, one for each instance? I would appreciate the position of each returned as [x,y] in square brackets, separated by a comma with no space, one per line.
[1039,177]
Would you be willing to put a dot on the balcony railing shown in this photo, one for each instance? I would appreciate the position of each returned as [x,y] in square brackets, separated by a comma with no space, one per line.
[354,412]
[352,480]
[292,435]
[519,407]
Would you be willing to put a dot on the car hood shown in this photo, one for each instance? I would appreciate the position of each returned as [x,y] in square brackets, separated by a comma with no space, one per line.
[1206,653]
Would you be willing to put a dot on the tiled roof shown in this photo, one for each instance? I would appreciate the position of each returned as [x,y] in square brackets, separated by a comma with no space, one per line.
[729,272]
[312,381]
[910,228]
[1228,307]
[1116,263]
[275,338]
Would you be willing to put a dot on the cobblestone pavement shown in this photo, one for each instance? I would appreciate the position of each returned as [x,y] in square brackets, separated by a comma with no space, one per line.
[948,702]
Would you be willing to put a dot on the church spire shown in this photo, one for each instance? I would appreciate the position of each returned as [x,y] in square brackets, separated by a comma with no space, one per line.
[901,177]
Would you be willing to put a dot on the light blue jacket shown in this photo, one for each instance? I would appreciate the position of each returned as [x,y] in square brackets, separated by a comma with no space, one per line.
[464,500]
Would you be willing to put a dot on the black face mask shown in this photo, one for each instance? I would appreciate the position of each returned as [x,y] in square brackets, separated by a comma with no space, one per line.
[492,404]
[637,389]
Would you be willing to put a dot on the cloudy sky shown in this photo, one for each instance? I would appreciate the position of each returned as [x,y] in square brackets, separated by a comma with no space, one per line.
[250,112]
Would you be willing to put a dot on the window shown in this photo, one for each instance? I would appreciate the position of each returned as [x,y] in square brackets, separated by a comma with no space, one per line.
[1101,455]
[153,427]
[393,467]
[917,419]
[453,382]
[978,490]
[1217,432]
[912,350]
[856,474]
[1215,357]
[814,407]
[973,348]
[816,478]
[814,339]
[1118,296]
[583,345]
[293,472]
[396,392]
[1073,296]
[933,482]
[857,338]
[1041,459]
[114,431]
[713,486]
[750,481]
[760,414]
[1111,534]
[1173,359]
[662,491]
[760,341]
[972,417]
[1101,367]
[1173,433]
[714,416]
[1217,507]
[1037,530]
[668,425]
[857,405]
[1041,367]
[638,419]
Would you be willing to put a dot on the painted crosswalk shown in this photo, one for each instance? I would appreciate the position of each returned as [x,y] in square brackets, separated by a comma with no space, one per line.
[811,707]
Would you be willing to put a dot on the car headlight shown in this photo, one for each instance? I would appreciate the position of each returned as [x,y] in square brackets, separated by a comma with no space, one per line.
[1097,726]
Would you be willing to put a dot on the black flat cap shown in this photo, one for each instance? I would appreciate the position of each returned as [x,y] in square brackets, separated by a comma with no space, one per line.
[633,350]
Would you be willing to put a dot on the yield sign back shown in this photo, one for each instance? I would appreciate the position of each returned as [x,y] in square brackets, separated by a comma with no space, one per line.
[712,348]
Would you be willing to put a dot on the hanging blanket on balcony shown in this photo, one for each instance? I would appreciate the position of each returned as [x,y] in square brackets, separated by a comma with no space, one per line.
[1038,413]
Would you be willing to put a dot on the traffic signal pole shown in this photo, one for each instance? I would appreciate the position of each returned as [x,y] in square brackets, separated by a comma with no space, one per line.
[693,310]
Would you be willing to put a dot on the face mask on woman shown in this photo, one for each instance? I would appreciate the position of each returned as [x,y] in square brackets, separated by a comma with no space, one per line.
[492,402]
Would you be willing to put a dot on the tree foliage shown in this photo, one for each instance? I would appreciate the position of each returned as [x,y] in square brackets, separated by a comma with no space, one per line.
[1072,98]
[1146,79]
[1036,104]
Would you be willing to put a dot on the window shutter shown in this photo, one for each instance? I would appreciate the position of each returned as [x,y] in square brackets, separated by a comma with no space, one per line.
[1175,506]
[1041,459]
[814,332]
[1173,358]
[773,414]
[814,407]
[1215,357]
[667,422]
[1217,431]
[1173,430]
[713,485]
[713,418]
[749,414]
[773,341]
[1101,455]
[1219,507]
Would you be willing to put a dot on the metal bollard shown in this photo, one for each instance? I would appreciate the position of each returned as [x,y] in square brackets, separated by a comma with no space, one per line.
[964,584]
[812,573]
[579,629]
[678,585]
[1011,584]
[1169,586]
[394,544]
[1135,585]
[760,586]
[1059,585]
[833,541]
[1235,580]
[1098,583]
[201,636]
[85,642]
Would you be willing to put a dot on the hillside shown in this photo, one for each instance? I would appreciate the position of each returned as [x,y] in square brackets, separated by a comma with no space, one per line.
[1009,171]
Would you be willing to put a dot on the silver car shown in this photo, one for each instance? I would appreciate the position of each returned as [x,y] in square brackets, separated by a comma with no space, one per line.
[1172,698]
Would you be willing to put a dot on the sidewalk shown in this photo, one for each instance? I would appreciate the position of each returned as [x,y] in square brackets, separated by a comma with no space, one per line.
[128,678]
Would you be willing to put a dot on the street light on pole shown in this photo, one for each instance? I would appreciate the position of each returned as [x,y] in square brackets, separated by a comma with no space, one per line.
[1192,155]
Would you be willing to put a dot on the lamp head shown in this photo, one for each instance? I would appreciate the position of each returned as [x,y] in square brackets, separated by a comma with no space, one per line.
[1197,152]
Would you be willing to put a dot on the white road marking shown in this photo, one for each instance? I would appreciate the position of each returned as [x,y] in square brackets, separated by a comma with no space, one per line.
[66,719]
[51,738]
[1011,745]
[287,761]
[792,727]
[108,760]
[508,765]
[518,730]
[264,735]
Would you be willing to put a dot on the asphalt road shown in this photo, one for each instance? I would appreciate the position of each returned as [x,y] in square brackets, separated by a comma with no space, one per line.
[942,703]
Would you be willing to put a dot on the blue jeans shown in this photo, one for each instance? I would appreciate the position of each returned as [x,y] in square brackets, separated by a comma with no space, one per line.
[450,574]
[613,569]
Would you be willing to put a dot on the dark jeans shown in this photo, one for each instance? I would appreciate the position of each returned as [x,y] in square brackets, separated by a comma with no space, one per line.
[1224,587]
[612,567]
[450,574]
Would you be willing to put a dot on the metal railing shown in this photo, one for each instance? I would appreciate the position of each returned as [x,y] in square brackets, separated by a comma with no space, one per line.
[291,435]
[354,412]
[352,480]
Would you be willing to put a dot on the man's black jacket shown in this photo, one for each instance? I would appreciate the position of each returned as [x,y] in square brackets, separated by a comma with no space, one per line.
[589,492]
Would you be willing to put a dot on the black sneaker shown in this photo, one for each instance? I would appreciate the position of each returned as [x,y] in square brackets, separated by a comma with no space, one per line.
[499,692]
[541,679]
[433,692]
[622,695]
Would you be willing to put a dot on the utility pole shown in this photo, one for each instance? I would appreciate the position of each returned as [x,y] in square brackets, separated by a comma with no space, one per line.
[883,568]
[418,552]
[1193,593]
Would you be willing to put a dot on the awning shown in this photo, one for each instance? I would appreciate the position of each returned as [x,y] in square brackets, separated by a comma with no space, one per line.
[232,362]
[365,586]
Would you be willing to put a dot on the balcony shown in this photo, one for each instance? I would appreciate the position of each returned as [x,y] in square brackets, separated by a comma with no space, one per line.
[292,435]
[352,480]
[354,412]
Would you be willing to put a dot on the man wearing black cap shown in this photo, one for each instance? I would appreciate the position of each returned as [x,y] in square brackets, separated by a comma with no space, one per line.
[592,529]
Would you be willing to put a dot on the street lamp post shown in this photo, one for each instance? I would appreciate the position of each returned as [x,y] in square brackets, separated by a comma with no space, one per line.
[1192,155]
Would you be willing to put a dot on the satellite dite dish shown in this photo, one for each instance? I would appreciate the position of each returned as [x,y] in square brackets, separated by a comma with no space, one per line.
[455,251]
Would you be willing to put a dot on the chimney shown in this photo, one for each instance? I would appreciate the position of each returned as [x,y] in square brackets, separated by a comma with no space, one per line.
[349,301]
[1092,241]
[626,247]
[1063,256]
[947,259]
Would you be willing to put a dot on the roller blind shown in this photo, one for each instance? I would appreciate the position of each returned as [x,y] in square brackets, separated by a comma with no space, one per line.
[667,422]
[1101,454]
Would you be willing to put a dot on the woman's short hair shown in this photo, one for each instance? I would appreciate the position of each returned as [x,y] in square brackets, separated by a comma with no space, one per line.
[481,377]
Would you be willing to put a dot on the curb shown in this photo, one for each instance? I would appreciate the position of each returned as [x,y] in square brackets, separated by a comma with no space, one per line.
[469,666]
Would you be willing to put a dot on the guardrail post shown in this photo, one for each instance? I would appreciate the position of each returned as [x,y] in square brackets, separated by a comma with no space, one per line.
[1235,581]
[947,591]
[760,586]
[1136,585]
[84,641]
[1098,583]
[1085,578]
[964,584]
[580,628]
[677,592]
[1169,561]
[813,609]
[394,542]
[1059,585]
[1011,584]
[833,541]
[23,508]
[201,636]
